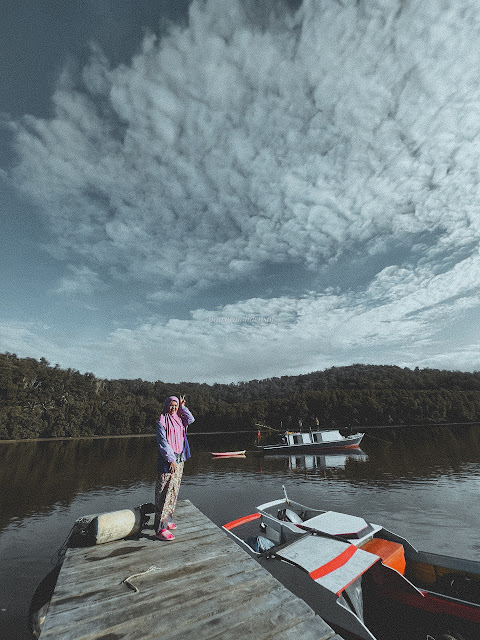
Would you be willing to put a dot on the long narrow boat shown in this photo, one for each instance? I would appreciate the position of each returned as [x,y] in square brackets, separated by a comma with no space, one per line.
[366,582]
[311,441]
[229,454]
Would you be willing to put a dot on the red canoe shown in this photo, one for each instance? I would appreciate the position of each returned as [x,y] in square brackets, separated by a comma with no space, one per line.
[226,454]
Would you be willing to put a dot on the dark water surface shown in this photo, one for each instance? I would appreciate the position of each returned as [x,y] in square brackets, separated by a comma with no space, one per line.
[424,486]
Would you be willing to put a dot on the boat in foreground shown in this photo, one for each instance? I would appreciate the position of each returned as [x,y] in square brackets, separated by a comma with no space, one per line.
[305,441]
[366,582]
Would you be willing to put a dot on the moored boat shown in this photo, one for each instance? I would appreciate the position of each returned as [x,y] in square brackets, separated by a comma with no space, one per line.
[305,441]
[229,454]
[366,582]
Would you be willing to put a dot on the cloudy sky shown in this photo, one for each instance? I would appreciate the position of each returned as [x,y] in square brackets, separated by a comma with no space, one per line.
[222,190]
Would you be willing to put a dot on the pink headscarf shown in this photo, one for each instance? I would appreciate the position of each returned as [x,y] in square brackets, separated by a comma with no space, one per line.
[173,425]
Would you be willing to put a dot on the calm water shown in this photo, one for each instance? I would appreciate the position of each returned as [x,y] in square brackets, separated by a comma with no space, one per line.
[425,487]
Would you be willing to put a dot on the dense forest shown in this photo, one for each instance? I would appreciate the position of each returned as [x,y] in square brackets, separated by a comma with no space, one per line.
[38,400]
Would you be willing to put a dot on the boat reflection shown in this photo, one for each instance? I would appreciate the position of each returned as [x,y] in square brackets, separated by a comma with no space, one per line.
[322,461]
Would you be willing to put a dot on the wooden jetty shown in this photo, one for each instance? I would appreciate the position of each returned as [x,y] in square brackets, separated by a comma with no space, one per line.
[201,586]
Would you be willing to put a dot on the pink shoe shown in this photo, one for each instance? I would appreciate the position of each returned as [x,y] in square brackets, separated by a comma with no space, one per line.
[171,526]
[164,534]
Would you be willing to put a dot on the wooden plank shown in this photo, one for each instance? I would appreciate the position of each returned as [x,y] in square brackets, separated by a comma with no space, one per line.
[202,585]
[193,577]
[169,597]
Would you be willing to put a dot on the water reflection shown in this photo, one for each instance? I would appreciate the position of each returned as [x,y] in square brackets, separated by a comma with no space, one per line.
[417,456]
[422,484]
[321,462]
[40,476]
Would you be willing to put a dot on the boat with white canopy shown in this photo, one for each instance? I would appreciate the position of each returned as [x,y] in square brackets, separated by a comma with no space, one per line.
[368,583]
[312,441]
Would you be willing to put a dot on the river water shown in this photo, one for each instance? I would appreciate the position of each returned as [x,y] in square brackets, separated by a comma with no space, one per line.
[424,486]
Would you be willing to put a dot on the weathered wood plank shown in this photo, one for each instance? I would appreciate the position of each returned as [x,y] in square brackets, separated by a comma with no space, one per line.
[154,592]
[202,585]
[110,585]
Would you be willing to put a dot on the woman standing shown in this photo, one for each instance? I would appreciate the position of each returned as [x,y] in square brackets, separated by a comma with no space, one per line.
[173,450]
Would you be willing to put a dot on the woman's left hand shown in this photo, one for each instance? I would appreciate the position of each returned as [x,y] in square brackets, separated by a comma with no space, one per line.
[182,401]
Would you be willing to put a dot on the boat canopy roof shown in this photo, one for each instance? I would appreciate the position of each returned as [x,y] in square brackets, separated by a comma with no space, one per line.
[331,523]
[340,524]
[333,564]
[296,433]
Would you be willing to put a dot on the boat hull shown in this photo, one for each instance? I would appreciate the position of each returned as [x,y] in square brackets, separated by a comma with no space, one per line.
[229,454]
[368,582]
[352,442]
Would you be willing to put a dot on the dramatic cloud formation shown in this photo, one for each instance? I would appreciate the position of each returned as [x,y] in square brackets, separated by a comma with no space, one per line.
[340,140]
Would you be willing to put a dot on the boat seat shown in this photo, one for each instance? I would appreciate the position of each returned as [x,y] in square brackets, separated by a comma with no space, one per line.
[392,554]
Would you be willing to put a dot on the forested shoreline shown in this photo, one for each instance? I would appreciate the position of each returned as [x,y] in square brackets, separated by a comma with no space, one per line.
[38,400]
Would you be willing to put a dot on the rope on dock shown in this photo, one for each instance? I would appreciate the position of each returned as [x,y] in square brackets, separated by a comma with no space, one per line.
[137,575]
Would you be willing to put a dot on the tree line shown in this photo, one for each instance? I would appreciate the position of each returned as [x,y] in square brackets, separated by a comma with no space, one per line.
[38,400]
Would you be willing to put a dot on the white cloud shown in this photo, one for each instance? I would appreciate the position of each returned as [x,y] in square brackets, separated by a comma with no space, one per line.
[319,139]
[27,338]
[223,146]
[418,326]
[82,281]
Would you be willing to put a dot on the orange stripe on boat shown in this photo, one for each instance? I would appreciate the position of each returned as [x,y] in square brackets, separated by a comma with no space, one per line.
[336,563]
[237,523]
